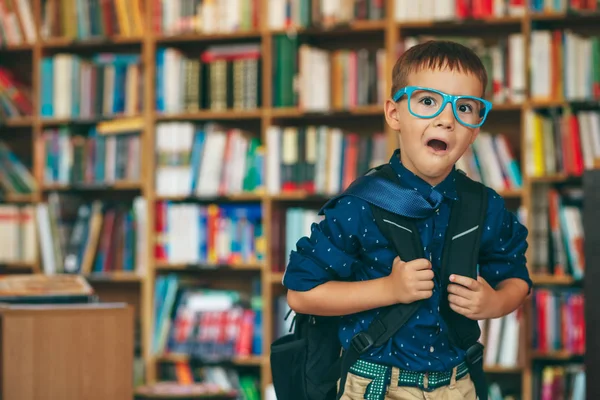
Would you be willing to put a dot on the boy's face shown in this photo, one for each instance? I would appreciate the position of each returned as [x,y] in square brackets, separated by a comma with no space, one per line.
[431,147]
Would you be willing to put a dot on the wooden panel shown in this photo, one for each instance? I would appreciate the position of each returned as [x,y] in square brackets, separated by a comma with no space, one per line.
[67,353]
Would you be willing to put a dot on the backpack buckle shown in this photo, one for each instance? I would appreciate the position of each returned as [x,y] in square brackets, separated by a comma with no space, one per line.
[362,342]
[474,354]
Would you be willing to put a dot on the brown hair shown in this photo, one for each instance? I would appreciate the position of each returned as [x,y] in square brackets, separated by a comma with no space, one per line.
[436,54]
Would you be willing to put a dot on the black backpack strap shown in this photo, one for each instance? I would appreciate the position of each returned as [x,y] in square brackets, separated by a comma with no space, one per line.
[460,257]
[403,234]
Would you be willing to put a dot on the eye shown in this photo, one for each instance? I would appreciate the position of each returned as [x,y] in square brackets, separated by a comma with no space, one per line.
[428,101]
[464,108]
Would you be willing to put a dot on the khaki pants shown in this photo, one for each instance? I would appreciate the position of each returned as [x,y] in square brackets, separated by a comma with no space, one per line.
[463,389]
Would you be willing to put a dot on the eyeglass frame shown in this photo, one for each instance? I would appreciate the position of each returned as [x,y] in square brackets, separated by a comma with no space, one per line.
[447,98]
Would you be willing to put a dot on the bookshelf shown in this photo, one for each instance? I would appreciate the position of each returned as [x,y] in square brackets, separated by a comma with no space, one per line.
[143,38]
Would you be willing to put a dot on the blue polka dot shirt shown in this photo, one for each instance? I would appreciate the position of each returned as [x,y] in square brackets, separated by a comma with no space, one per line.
[348,241]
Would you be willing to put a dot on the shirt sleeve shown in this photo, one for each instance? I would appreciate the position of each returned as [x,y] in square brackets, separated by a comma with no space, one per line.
[503,244]
[331,250]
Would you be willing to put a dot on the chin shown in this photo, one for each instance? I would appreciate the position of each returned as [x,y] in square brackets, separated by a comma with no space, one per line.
[435,169]
[435,176]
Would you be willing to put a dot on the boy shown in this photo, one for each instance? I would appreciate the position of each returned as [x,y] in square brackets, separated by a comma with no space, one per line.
[419,362]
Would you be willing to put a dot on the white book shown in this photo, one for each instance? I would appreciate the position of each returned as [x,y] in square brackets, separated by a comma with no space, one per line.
[595,132]
[212,162]
[517,67]
[587,145]
[46,245]
[273,160]
[160,177]
[27,19]
[336,139]
[493,341]
[62,73]
[508,357]
[141,237]
[185,146]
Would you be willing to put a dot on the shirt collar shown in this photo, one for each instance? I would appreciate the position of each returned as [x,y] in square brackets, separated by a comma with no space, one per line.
[447,187]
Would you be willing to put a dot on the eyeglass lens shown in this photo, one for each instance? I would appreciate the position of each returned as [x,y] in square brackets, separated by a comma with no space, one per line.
[425,103]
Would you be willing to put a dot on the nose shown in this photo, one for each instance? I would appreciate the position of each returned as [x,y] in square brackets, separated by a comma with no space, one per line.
[445,119]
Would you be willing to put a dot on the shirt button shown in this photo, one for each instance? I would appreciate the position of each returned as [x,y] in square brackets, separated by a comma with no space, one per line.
[431,349]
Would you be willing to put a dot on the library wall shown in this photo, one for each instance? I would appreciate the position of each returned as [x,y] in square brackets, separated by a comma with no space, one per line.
[173,152]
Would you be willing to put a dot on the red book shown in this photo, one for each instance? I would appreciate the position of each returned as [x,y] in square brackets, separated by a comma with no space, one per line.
[244,344]
[575,142]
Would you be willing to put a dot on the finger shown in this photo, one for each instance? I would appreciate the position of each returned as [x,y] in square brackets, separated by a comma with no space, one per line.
[420,264]
[460,310]
[424,275]
[398,261]
[482,281]
[460,291]
[425,294]
[465,281]
[425,285]
[458,301]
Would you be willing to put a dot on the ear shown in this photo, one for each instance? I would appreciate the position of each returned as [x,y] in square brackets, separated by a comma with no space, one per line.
[392,116]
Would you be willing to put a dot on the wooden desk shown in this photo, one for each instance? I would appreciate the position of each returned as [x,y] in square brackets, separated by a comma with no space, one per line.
[66,352]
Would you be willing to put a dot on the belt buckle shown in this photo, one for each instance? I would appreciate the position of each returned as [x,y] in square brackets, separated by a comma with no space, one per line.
[426,381]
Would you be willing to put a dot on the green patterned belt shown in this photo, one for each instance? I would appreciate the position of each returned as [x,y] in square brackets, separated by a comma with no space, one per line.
[380,376]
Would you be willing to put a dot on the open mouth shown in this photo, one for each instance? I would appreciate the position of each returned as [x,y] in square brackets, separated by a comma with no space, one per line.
[437,145]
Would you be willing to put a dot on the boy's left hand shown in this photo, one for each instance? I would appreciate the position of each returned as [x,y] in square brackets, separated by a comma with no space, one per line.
[475,299]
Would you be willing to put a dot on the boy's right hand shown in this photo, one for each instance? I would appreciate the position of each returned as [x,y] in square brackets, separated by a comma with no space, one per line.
[411,281]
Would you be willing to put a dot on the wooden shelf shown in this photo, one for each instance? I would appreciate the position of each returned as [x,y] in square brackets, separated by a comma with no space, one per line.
[18,198]
[498,369]
[511,193]
[507,107]
[208,115]
[255,361]
[116,276]
[542,104]
[68,43]
[298,196]
[17,264]
[209,37]
[165,265]
[122,185]
[471,23]
[16,48]
[173,391]
[234,198]
[354,27]
[293,112]
[542,279]
[555,355]
[19,122]
[276,277]
[52,121]
[559,178]
[565,17]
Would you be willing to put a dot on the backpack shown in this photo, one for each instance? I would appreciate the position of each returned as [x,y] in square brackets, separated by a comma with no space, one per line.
[310,362]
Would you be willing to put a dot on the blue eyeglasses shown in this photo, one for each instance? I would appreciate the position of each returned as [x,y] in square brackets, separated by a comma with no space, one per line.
[424,102]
